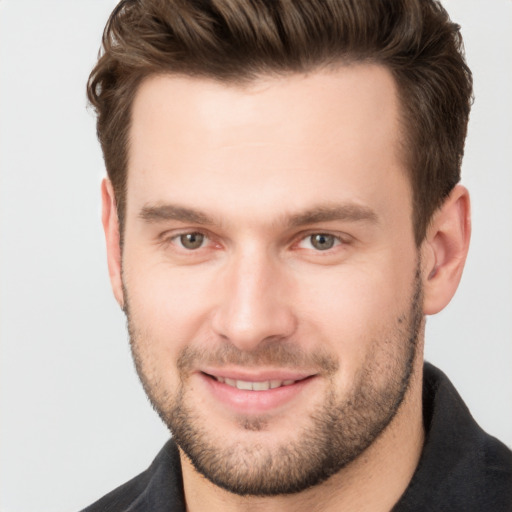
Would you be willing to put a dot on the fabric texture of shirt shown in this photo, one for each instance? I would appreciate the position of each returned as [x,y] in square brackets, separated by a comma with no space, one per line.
[461,468]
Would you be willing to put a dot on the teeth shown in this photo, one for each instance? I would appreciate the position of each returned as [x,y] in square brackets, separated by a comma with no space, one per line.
[255,386]
[261,386]
[242,384]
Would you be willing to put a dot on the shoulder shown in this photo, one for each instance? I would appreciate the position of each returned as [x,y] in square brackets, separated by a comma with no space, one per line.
[496,472]
[461,466]
[157,489]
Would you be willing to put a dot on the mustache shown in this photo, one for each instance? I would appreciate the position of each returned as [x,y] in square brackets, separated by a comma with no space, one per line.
[275,354]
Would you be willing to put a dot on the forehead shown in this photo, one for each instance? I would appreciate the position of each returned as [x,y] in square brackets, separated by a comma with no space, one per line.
[329,133]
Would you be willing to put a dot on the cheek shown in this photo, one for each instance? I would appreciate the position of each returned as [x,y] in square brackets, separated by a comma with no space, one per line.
[348,310]
[168,307]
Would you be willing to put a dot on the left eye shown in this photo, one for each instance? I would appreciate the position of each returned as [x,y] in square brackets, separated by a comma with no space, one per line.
[320,241]
[191,241]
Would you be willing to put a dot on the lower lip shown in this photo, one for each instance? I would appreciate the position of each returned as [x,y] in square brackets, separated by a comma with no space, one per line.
[255,402]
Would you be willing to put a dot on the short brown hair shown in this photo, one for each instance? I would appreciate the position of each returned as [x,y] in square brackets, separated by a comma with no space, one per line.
[239,40]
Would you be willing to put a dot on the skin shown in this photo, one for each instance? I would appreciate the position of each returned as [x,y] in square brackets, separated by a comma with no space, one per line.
[249,161]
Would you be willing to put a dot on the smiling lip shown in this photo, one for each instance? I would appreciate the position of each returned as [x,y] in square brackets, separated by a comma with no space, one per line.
[255,393]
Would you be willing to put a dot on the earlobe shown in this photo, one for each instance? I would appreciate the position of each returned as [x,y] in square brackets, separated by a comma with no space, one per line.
[112,237]
[445,249]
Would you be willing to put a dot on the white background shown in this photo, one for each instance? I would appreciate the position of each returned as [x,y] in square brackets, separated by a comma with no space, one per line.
[74,420]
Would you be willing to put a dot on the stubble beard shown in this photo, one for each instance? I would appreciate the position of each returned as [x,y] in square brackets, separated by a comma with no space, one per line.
[338,432]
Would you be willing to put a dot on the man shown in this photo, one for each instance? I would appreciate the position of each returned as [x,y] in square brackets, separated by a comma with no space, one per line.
[281,212]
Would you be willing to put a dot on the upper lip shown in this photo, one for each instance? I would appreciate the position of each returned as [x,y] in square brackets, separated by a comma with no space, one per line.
[257,376]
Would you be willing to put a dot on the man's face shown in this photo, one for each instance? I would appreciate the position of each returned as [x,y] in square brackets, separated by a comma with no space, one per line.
[269,269]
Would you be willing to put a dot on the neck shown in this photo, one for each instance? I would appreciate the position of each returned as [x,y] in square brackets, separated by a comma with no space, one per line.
[373,482]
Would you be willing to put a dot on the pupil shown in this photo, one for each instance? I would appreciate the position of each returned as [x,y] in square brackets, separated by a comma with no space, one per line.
[322,242]
[192,240]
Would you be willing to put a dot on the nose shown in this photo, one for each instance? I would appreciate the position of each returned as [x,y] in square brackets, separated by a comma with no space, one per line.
[252,305]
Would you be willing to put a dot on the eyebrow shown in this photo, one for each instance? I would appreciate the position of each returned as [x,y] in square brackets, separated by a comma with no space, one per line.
[164,212]
[349,212]
[346,212]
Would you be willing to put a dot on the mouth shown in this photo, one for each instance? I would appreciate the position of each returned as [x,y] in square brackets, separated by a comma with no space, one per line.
[256,393]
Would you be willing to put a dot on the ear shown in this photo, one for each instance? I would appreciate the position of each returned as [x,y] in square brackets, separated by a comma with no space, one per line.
[445,249]
[112,237]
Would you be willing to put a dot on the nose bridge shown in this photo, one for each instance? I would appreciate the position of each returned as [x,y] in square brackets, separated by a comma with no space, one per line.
[252,306]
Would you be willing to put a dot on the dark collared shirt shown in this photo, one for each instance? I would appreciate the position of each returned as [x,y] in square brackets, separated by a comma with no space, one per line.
[461,467]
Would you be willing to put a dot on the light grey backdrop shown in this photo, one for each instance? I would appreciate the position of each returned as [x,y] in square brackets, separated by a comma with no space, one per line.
[75,422]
